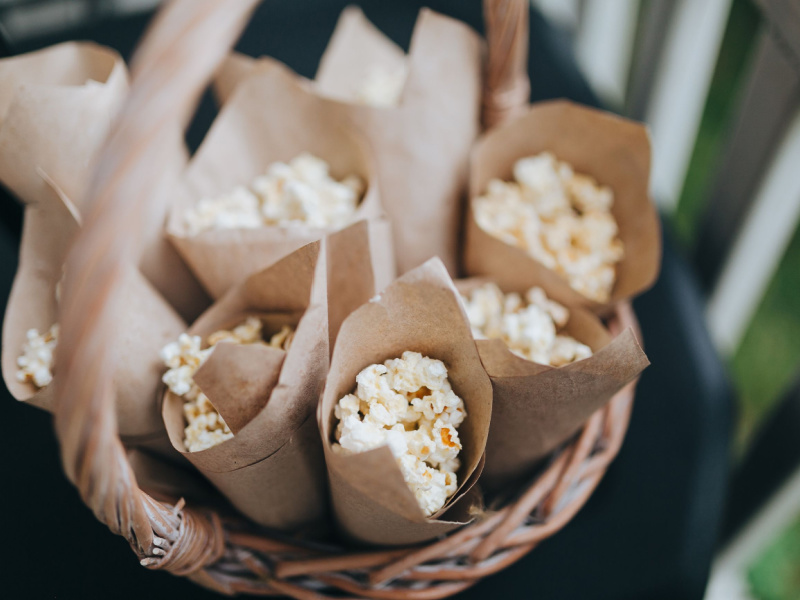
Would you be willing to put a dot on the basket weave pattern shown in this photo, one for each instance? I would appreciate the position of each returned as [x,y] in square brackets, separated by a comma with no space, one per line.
[187,41]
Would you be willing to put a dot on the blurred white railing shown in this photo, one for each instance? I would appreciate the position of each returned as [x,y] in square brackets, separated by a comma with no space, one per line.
[763,240]
[683,78]
[605,47]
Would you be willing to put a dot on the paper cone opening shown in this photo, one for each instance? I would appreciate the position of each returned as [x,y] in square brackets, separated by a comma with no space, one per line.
[56,108]
[69,64]
[497,358]
[270,118]
[615,151]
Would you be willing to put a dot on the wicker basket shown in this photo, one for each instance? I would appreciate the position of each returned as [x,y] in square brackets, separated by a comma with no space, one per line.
[181,50]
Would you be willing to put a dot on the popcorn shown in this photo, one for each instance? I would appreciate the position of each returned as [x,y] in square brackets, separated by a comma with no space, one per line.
[382,87]
[301,192]
[36,361]
[205,426]
[237,209]
[408,405]
[561,218]
[529,328]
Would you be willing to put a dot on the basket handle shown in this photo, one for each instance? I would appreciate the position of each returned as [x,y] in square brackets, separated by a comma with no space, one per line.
[507,87]
[177,57]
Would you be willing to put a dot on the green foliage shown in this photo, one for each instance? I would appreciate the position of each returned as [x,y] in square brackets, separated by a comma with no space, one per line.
[729,73]
[769,356]
[776,573]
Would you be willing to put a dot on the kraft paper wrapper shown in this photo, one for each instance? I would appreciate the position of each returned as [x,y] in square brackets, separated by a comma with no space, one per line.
[160,261]
[351,280]
[615,151]
[422,145]
[167,481]
[419,312]
[537,407]
[56,108]
[148,322]
[272,469]
[270,117]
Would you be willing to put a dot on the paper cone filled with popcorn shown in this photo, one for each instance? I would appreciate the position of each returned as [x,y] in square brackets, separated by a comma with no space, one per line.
[420,113]
[559,197]
[551,368]
[30,329]
[405,413]
[242,387]
[56,108]
[278,169]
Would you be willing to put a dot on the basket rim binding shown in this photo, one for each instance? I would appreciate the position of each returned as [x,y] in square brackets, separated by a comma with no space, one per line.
[177,57]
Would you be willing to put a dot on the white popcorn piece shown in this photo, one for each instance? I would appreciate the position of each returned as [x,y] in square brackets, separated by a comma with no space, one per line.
[382,87]
[238,209]
[205,427]
[301,192]
[566,350]
[529,328]
[408,405]
[561,218]
[35,364]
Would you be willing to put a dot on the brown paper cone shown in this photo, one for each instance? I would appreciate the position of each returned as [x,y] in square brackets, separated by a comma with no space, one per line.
[615,151]
[351,280]
[239,378]
[167,481]
[419,312]
[537,407]
[357,46]
[272,468]
[56,108]
[422,145]
[148,322]
[48,229]
[271,117]
[160,261]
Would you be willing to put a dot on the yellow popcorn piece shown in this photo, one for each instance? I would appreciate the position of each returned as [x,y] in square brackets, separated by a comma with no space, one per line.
[205,427]
[529,328]
[300,192]
[407,404]
[560,218]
